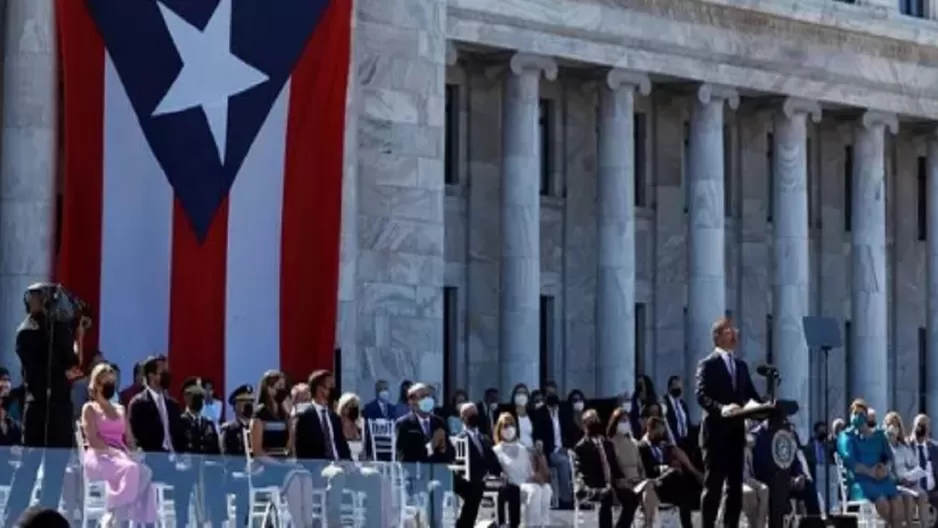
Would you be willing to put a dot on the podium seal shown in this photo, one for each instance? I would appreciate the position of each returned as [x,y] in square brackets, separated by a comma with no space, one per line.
[783,448]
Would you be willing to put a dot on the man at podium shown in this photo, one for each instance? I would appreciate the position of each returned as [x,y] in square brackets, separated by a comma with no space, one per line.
[723,387]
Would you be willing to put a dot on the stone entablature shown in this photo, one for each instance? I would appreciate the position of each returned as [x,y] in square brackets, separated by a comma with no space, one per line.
[742,47]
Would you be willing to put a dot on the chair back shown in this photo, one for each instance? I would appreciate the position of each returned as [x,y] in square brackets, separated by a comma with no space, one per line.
[382,435]
[461,463]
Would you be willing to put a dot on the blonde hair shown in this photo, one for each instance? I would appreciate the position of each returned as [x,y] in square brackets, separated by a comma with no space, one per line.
[345,400]
[100,370]
[893,418]
[501,424]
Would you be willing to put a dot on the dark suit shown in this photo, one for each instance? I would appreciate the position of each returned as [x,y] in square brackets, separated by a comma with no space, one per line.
[201,440]
[671,485]
[763,467]
[412,440]
[722,440]
[146,425]
[482,463]
[312,436]
[592,483]
[374,410]
[668,405]
[545,430]
[488,417]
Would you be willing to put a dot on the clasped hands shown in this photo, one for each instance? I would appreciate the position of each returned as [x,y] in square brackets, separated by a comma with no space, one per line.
[880,471]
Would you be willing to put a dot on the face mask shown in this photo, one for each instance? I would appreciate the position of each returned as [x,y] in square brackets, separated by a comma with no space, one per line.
[871,423]
[595,429]
[333,394]
[165,380]
[472,421]
[552,400]
[892,430]
[626,407]
[921,431]
[353,414]
[197,402]
[247,410]
[384,396]
[521,400]
[821,435]
[426,404]
[577,406]
[538,404]
[858,419]
[508,434]
[301,407]
[280,395]
[676,392]
[108,390]
[623,428]
[493,406]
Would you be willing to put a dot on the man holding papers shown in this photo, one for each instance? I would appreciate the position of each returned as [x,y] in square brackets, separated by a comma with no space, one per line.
[723,387]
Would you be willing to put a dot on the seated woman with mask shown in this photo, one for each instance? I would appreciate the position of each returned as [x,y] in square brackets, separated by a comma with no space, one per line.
[866,457]
[905,469]
[524,469]
[629,459]
[348,410]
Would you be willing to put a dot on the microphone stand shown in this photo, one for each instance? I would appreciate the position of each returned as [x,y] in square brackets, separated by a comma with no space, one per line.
[827,467]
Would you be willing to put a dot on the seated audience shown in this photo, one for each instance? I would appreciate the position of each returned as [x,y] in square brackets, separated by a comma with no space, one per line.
[520,405]
[904,462]
[453,421]
[482,464]
[421,435]
[272,440]
[108,455]
[319,429]
[403,399]
[926,450]
[644,393]
[665,470]
[537,399]
[381,407]
[677,414]
[577,402]
[653,410]
[802,487]
[556,432]
[488,410]
[755,493]
[629,459]
[866,456]
[355,476]
[598,475]
[348,410]
[525,470]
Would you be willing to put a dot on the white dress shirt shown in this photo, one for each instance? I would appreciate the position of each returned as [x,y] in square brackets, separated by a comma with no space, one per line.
[555,420]
[729,361]
[164,417]
[679,416]
[930,477]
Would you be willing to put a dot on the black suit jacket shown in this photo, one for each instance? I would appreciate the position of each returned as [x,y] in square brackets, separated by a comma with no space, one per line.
[714,390]
[653,464]
[671,415]
[147,426]
[412,442]
[310,439]
[487,417]
[543,426]
[589,464]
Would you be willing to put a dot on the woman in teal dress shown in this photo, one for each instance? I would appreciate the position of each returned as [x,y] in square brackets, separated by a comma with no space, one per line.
[867,458]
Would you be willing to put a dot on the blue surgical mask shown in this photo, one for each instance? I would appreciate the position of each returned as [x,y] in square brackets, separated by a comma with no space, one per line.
[426,404]
[858,419]
[384,396]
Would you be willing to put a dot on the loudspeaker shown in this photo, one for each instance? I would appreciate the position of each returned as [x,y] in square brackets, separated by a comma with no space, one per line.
[842,521]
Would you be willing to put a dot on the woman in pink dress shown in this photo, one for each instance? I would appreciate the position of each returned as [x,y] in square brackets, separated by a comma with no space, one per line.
[108,456]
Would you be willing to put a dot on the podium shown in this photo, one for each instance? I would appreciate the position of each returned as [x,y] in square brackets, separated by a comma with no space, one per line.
[784,451]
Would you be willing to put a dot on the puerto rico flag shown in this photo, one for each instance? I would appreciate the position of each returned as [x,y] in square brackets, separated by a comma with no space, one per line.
[203,144]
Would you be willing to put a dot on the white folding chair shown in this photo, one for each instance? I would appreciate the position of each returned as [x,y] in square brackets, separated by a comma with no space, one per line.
[863,510]
[382,435]
[94,493]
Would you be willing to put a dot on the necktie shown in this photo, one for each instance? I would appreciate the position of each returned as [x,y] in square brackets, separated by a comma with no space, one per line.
[681,425]
[164,417]
[923,463]
[607,472]
[475,440]
[425,425]
[731,366]
[384,409]
[327,432]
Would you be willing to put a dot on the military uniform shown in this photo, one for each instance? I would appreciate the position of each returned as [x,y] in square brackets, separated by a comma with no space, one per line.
[233,449]
[201,443]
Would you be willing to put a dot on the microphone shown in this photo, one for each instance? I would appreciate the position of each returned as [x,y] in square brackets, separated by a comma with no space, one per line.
[767,371]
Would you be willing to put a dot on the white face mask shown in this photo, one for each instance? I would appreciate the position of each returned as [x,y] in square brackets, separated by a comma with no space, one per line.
[578,406]
[508,434]
[301,407]
[624,428]
[892,431]
[493,406]
[521,400]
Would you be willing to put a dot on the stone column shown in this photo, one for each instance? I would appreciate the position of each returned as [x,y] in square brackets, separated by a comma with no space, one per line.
[790,252]
[520,269]
[615,195]
[932,269]
[27,161]
[869,310]
[706,281]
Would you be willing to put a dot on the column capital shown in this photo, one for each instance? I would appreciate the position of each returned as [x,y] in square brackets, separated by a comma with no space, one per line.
[452,54]
[792,106]
[618,78]
[527,62]
[873,118]
[708,92]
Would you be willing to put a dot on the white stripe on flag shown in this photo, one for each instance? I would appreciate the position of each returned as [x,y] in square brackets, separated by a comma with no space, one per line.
[136,238]
[255,216]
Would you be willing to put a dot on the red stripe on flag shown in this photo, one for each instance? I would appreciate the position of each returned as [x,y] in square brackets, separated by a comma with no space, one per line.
[82,54]
[197,300]
[312,197]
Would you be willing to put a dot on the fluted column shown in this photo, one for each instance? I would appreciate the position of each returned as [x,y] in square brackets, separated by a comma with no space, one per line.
[27,161]
[520,270]
[790,251]
[615,195]
[869,309]
[706,284]
[932,270]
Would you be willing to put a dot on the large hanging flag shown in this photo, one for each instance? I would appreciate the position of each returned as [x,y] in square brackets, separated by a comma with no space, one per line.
[203,144]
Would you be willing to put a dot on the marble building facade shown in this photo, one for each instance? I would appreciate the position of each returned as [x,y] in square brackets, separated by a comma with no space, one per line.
[576,189]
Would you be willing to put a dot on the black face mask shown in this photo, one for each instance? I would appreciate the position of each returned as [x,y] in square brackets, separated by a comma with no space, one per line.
[821,435]
[676,392]
[107,390]
[333,394]
[247,410]
[921,431]
[196,403]
[472,421]
[552,400]
[165,381]
[871,423]
[353,413]
[594,429]
[280,395]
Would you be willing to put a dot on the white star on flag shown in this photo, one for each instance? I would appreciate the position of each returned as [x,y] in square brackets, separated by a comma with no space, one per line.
[211,74]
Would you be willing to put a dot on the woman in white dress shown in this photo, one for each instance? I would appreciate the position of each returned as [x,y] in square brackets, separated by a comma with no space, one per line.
[904,463]
[524,469]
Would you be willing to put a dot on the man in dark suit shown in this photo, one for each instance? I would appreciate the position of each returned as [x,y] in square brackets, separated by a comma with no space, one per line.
[201,441]
[233,449]
[482,463]
[598,473]
[723,387]
[926,449]
[156,424]
[677,415]
[319,429]
[554,433]
[488,411]
[664,470]
[819,449]
[381,407]
[421,435]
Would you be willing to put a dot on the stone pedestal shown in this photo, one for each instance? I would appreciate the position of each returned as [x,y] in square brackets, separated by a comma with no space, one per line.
[520,270]
[869,362]
[27,161]
[615,198]
[791,253]
[706,281]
